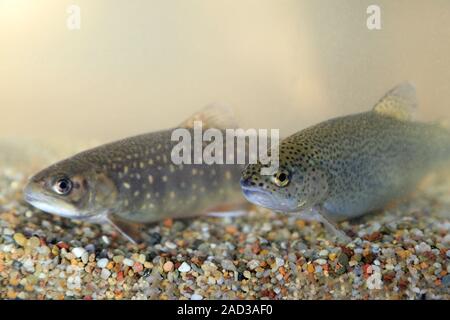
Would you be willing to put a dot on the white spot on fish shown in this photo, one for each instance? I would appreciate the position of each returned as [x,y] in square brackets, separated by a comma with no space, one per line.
[150,161]
[228,175]
[164,178]
[172,168]
[148,195]
[136,193]
[125,170]
[194,171]
[141,165]
[150,178]
[172,195]
[126,185]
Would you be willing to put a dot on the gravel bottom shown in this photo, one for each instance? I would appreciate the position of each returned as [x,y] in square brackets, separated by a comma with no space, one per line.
[400,253]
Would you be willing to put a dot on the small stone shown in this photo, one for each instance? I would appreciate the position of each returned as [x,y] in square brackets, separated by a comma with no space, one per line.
[323,253]
[321,261]
[279,262]
[253,264]
[20,239]
[105,274]
[118,259]
[33,242]
[196,297]
[78,252]
[446,280]
[106,240]
[185,267]
[168,266]
[228,265]
[170,245]
[138,267]
[102,263]
[422,247]
[128,262]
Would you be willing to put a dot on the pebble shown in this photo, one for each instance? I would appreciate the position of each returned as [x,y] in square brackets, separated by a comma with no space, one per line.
[128,262]
[253,264]
[78,252]
[20,239]
[184,267]
[171,245]
[102,263]
[168,266]
[196,297]
[422,247]
[228,265]
[105,274]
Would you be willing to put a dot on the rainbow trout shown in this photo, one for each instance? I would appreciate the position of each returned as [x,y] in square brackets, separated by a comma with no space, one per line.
[348,166]
[133,181]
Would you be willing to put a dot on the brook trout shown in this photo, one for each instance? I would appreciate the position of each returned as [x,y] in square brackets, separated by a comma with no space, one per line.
[134,181]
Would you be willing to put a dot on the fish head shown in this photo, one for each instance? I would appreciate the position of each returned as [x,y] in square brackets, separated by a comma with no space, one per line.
[72,189]
[291,188]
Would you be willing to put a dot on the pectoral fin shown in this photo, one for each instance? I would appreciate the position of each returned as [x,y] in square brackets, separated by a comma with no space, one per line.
[129,230]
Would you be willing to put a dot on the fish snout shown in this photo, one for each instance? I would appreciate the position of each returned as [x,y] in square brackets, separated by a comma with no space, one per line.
[246,182]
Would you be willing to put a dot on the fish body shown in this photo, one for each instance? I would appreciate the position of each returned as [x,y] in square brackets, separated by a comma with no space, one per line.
[352,165]
[134,180]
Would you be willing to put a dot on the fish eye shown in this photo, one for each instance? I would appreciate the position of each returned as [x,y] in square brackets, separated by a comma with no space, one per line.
[281,178]
[63,186]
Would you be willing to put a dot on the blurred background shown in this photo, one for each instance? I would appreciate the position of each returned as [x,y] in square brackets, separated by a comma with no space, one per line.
[138,66]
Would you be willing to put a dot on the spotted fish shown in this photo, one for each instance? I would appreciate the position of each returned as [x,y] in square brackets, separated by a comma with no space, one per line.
[134,181]
[348,166]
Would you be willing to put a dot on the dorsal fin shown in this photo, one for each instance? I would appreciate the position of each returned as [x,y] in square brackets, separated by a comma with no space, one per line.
[217,116]
[400,102]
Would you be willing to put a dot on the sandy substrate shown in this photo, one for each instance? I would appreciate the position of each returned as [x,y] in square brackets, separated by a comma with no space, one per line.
[401,253]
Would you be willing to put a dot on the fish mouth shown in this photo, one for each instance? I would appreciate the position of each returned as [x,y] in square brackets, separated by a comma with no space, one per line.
[260,197]
[265,198]
[46,203]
